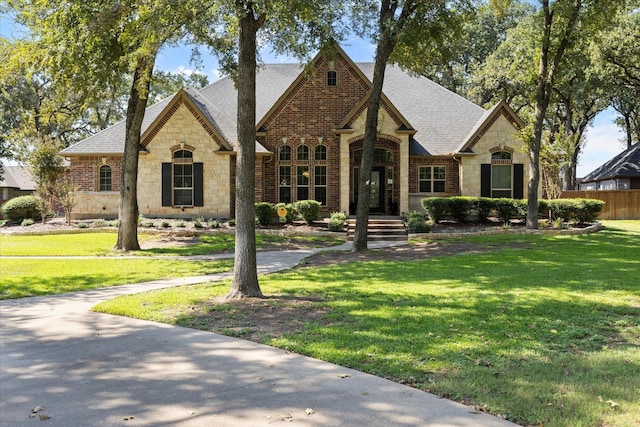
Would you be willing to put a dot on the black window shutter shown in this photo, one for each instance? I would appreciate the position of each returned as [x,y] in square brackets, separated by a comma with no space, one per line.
[485,180]
[198,179]
[198,175]
[166,185]
[518,181]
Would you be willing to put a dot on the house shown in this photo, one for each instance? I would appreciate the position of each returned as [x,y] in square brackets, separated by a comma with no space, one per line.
[310,131]
[17,181]
[620,173]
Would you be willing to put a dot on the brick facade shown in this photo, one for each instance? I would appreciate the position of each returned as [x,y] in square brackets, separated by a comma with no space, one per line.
[311,113]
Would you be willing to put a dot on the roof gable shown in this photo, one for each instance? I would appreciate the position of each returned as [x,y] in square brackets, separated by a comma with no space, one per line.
[198,106]
[624,165]
[485,122]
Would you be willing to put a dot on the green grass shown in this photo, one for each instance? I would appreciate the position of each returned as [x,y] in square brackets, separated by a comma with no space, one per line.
[218,243]
[543,332]
[30,277]
[101,244]
[78,244]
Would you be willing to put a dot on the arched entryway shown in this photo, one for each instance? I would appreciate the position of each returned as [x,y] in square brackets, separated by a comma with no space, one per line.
[385,177]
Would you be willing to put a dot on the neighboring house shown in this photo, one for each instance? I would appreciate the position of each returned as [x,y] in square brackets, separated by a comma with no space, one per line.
[17,181]
[310,131]
[620,173]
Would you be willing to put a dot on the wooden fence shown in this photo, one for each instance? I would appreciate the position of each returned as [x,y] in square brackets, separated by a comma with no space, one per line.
[618,204]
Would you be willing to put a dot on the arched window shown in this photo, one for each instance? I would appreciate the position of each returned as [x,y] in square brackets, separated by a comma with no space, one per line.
[284,153]
[105,178]
[320,152]
[501,174]
[302,153]
[183,178]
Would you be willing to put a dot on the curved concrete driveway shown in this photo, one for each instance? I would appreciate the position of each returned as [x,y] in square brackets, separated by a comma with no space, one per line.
[91,369]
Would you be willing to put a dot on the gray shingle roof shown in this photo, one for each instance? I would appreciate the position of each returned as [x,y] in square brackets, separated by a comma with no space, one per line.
[624,165]
[17,177]
[442,119]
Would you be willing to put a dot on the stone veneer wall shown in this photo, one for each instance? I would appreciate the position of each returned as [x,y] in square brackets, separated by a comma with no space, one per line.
[183,127]
[501,132]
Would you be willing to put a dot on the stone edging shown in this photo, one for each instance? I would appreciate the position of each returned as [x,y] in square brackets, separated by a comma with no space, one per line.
[597,226]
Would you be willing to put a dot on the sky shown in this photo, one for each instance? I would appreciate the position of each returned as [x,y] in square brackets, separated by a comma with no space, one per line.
[603,137]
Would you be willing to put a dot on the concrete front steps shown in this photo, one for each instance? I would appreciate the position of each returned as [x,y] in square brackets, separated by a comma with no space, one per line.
[380,229]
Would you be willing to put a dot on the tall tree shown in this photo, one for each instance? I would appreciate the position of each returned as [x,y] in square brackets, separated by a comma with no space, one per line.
[245,276]
[411,24]
[296,27]
[117,38]
[560,21]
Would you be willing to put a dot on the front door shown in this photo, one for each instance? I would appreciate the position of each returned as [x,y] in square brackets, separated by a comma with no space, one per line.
[376,201]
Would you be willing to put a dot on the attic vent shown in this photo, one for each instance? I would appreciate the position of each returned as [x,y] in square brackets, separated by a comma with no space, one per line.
[332,78]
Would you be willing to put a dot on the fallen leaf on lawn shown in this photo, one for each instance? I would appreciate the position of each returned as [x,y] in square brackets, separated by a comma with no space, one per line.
[309,412]
[613,404]
[343,375]
[44,417]
[600,399]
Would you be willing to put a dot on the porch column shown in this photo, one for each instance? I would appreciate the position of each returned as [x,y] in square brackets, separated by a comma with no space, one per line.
[404,174]
[344,173]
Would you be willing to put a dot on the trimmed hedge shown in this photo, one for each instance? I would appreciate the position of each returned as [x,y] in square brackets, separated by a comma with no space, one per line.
[580,211]
[309,210]
[336,221]
[416,223]
[20,208]
[265,213]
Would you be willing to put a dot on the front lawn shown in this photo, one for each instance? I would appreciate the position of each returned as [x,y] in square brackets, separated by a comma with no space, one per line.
[543,330]
[24,277]
[101,244]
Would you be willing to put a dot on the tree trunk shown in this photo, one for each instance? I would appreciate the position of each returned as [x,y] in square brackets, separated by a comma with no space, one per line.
[245,275]
[128,209]
[384,50]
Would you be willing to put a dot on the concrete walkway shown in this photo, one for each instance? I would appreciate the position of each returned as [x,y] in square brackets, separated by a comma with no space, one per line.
[92,369]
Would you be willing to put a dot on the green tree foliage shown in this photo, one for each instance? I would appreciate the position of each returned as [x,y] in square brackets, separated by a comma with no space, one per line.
[397,27]
[618,56]
[462,45]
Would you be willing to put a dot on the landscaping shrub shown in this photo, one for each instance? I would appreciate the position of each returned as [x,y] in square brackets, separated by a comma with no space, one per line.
[522,206]
[484,206]
[27,222]
[561,209]
[19,208]
[588,210]
[292,213]
[309,210]
[181,223]
[336,221]
[214,223]
[435,207]
[198,222]
[461,207]
[416,223]
[265,213]
[505,208]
